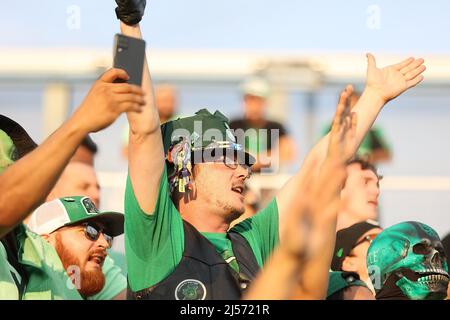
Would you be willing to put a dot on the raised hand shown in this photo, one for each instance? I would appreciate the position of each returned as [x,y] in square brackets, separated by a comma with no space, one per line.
[343,130]
[391,81]
[317,208]
[130,12]
[107,100]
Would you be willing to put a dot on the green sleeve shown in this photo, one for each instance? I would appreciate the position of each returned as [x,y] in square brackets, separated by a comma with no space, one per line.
[380,140]
[154,243]
[261,231]
[8,288]
[115,281]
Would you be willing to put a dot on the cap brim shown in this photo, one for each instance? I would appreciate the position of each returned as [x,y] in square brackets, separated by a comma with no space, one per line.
[113,222]
[22,141]
[346,240]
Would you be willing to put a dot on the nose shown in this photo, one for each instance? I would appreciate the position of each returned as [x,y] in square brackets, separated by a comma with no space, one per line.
[101,241]
[374,190]
[243,171]
[435,260]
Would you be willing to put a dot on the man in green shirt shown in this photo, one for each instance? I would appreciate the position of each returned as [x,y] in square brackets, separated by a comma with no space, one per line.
[179,205]
[29,266]
[80,234]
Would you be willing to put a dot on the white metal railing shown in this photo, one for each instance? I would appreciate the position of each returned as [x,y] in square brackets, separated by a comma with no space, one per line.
[413,183]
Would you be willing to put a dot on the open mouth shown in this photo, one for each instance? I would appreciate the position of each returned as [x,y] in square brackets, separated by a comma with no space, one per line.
[98,259]
[238,189]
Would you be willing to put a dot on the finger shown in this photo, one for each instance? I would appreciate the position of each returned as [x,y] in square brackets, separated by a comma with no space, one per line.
[412,66]
[414,73]
[350,128]
[349,92]
[338,116]
[414,82]
[403,64]
[130,97]
[371,62]
[354,123]
[127,88]
[349,89]
[113,74]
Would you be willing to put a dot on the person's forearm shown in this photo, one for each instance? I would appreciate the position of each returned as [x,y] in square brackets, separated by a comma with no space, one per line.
[314,273]
[26,184]
[147,122]
[145,149]
[277,279]
[367,110]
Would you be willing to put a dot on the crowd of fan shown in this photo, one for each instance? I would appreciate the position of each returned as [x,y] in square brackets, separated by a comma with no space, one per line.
[193,230]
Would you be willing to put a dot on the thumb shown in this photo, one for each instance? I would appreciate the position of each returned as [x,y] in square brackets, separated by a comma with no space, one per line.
[371,62]
[113,74]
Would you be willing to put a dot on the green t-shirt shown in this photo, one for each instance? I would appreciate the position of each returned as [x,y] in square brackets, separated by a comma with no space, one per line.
[47,278]
[8,288]
[154,243]
[374,140]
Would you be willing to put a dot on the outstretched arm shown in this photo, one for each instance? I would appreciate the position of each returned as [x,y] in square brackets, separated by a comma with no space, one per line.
[382,85]
[26,183]
[298,269]
[146,152]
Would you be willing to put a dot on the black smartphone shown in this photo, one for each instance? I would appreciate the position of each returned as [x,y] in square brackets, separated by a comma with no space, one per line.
[129,54]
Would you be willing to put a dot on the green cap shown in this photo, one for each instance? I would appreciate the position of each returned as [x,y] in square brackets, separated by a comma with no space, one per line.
[339,280]
[203,131]
[203,137]
[194,128]
[68,211]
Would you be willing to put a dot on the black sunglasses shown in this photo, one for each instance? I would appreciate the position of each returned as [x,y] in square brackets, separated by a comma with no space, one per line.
[92,232]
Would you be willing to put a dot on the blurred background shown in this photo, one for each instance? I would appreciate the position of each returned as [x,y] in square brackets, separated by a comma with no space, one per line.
[52,50]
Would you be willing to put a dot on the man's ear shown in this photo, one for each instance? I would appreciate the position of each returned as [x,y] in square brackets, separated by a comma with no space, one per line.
[349,264]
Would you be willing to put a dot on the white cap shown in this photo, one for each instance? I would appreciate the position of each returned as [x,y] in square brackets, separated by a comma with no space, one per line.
[66,211]
[48,217]
[257,87]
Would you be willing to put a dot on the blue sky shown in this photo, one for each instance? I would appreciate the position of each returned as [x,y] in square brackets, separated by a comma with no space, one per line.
[276,25]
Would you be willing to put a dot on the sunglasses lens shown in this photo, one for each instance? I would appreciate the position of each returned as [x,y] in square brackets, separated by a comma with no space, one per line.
[108,239]
[91,232]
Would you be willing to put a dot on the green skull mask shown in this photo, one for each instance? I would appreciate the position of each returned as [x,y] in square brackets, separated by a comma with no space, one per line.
[412,252]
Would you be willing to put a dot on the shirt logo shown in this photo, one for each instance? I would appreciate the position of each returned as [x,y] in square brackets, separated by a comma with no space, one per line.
[190,289]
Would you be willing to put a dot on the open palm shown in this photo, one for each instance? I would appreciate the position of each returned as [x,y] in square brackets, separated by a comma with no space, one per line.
[393,80]
[343,130]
